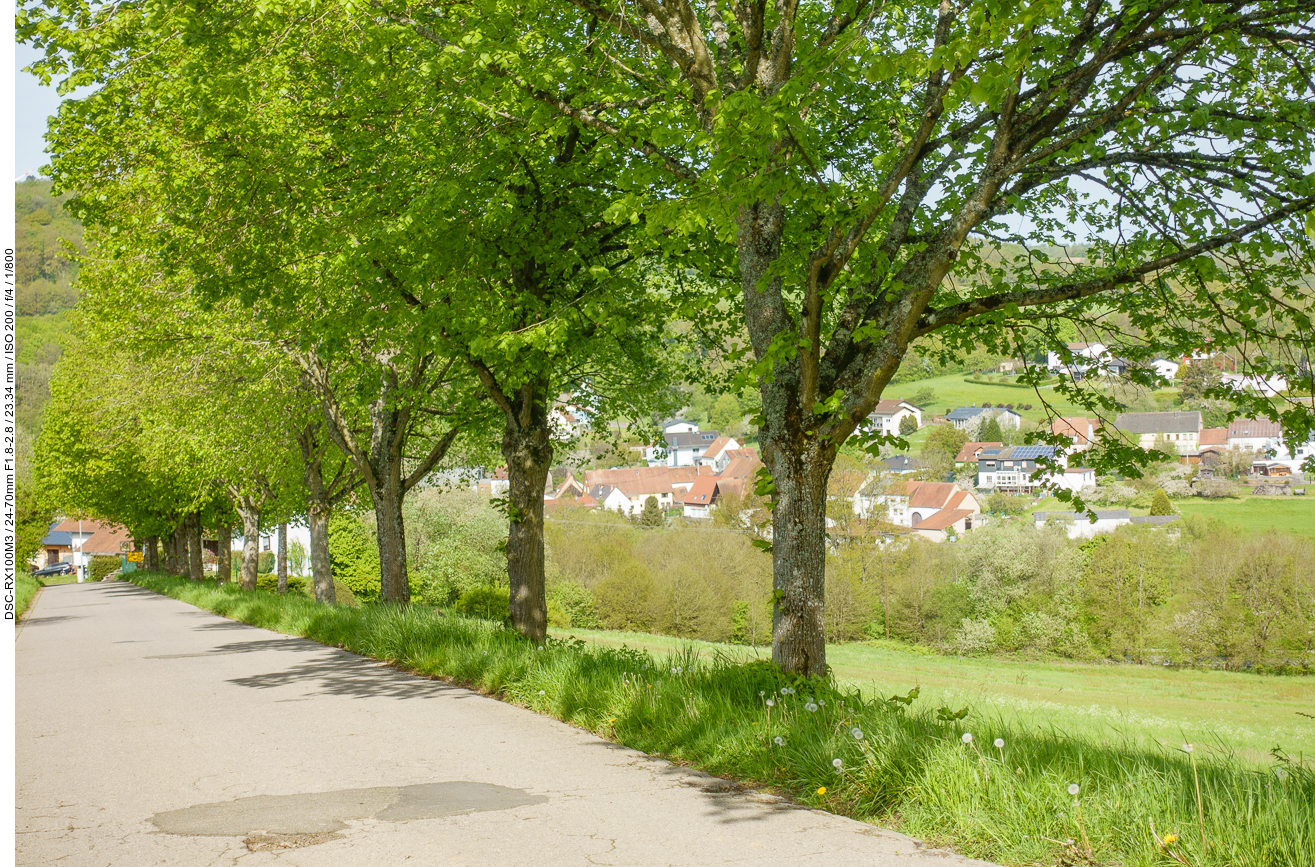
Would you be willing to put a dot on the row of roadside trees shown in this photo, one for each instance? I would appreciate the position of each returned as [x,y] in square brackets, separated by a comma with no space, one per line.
[397,227]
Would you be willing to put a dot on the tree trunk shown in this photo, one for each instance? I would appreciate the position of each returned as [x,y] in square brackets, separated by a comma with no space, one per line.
[151,553]
[178,549]
[799,560]
[282,558]
[387,495]
[319,555]
[195,558]
[224,573]
[250,544]
[529,452]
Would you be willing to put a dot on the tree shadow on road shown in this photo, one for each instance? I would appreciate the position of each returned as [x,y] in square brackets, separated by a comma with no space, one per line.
[345,674]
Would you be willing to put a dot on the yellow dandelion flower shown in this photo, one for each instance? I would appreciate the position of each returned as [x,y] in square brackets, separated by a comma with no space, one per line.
[1170,839]
[821,790]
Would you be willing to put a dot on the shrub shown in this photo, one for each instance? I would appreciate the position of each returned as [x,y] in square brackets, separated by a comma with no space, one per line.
[575,605]
[102,566]
[455,541]
[1160,504]
[353,555]
[1216,488]
[651,516]
[265,563]
[1178,488]
[488,602]
[908,425]
[271,583]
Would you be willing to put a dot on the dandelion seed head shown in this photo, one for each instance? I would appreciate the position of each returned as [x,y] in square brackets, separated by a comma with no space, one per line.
[999,743]
[1187,748]
[810,707]
[780,741]
[541,647]
[967,737]
[839,763]
[1074,788]
[762,693]
[821,702]
[771,703]
[1280,773]
[785,690]
[541,692]
[857,733]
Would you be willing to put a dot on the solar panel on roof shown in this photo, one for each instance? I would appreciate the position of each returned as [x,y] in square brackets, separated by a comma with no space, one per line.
[1032,452]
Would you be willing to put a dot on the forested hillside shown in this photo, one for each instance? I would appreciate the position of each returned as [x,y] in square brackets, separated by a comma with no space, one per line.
[43,231]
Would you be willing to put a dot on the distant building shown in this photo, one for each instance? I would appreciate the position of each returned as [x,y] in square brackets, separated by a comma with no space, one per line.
[1182,430]
[965,416]
[1009,470]
[888,414]
[1080,525]
[972,451]
[1080,430]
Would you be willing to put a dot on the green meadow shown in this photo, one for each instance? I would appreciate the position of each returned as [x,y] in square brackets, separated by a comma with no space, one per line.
[1247,513]
[1146,706]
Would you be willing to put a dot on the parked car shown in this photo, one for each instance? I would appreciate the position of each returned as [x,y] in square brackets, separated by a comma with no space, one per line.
[55,569]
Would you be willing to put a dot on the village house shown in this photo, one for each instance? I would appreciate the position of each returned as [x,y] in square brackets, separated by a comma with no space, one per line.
[1085,356]
[717,454]
[934,509]
[965,416]
[1080,526]
[1182,430]
[1166,369]
[76,542]
[701,497]
[1009,470]
[1265,386]
[888,414]
[1262,436]
[972,451]
[1080,431]
[685,444]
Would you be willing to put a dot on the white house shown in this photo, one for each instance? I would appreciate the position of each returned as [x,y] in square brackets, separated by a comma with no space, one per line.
[922,505]
[1085,356]
[1010,469]
[965,416]
[1268,387]
[1080,526]
[701,497]
[1166,368]
[888,414]
[683,448]
[1260,435]
[718,454]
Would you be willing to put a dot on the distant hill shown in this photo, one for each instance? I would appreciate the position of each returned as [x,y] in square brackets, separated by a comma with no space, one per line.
[45,291]
[41,228]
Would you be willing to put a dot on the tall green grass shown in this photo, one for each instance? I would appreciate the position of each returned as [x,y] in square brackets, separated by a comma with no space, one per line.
[25,590]
[902,765]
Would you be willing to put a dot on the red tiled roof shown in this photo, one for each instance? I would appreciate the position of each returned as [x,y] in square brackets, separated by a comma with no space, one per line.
[931,495]
[715,448]
[741,468]
[585,500]
[1254,427]
[1075,427]
[942,520]
[888,407]
[104,538]
[668,475]
[970,450]
[1214,436]
[703,492]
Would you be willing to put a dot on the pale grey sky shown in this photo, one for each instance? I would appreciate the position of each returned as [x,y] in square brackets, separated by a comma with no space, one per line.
[33,106]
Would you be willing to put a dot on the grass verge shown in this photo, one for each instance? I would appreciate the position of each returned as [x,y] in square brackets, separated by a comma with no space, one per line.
[896,763]
[25,589]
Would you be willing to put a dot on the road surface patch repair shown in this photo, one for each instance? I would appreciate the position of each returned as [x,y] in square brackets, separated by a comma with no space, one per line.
[270,822]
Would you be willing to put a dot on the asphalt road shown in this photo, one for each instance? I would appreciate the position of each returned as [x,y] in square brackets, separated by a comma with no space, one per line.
[150,732]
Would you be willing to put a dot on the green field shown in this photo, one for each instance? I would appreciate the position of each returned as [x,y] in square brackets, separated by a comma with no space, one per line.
[952,392]
[1119,705]
[1248,513]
